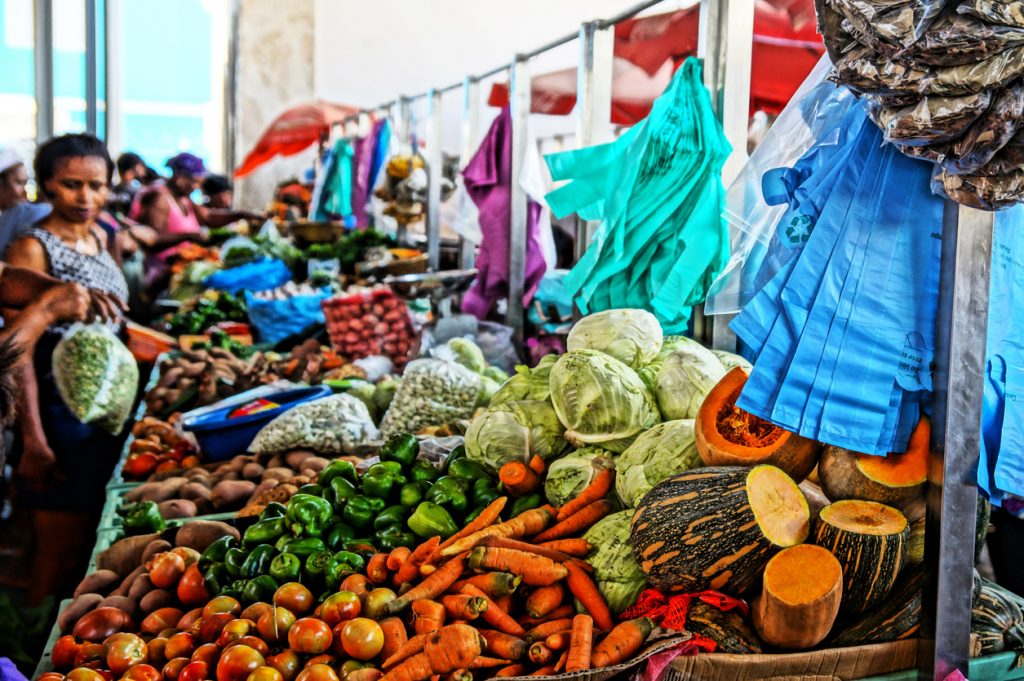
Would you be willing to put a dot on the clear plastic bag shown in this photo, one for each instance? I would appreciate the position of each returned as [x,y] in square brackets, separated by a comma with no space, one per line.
[996,11]
[987,192]
[434,392]
[890,23]
[339,424]
[962,39]
[96,375]
[931,120]
[991,133]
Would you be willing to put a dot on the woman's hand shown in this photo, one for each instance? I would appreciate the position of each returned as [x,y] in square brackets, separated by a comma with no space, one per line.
[38,465]
[71,302]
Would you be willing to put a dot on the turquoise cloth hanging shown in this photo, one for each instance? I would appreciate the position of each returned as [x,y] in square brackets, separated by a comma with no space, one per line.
[337,193]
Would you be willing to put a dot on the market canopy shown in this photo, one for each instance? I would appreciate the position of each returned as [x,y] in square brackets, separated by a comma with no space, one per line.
[294,131]
[649,49]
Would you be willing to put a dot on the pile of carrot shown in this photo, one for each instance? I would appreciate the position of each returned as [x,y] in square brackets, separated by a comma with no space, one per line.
[497,599]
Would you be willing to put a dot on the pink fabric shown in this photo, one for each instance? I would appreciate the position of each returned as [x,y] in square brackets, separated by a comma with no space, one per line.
[657,664]
[178,221]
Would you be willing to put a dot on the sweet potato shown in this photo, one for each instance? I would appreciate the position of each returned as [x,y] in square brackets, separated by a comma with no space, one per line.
[178,508]
[123,603]
[125,555]
[199,534]
[157,491]
[315,463]
[76,608]
[228,494]
[126,583]
[295,457]
[154,547]
[156,599]
[279,474]
[276,461]
[98,582]
[194,491]
[252,471]
[140,587]
[230,476]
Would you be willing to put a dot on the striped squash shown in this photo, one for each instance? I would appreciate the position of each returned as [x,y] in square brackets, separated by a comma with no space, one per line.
[728,629]
[715,528]
[870,541]
[898,618]
[997,620]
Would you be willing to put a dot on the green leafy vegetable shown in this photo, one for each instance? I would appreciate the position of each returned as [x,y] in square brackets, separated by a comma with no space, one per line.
[664,450]
[515,431]
[568,476]
[630,336]
[618,575]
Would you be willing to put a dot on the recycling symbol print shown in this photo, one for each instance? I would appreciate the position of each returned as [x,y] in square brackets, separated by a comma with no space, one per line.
[799,229]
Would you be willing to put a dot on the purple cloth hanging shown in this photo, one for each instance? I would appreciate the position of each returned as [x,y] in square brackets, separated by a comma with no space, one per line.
[488,180]
[363,150]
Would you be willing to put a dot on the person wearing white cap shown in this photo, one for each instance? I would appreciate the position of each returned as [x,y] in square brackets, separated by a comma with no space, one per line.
[15,210]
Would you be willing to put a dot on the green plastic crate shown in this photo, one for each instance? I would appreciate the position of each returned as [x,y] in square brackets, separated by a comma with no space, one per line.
[998,667]
[45,664]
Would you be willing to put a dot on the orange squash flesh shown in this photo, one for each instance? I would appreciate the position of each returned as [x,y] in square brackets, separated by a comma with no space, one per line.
[901,470]
[800,597]
[729,436]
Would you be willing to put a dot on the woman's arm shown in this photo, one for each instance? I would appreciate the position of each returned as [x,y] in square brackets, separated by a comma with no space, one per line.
[218,217]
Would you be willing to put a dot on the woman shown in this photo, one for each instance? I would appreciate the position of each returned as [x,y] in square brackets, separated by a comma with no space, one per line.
[15,210]
[64,463]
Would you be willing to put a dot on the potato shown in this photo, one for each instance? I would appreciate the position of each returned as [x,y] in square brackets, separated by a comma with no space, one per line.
[198,475]
[229,494]
[126,584]
[310,474]
[123,603]
[199,534]
[279,474]
[154,547]
[178,508]
[315,463]
[194,491]
[300,480]
[162,491]
[222,469]
[295,457]
[238,463]
[125,555]
[203,506]
[269,483]
[252,471]
[276,461]
[140,587]
[134,495]
[98,582]
[76,608]
[230,475]
[156,599]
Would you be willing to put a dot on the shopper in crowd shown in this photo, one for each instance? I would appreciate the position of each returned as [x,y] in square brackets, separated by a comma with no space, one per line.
[217,192]
[64,463]
[15,209]
[130,170]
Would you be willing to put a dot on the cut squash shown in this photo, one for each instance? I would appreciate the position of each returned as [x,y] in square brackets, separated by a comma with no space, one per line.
[715,528]
[915,544]
[729,436]
[895,480]
[870,541]
[728,629]
[816,499]
[800,596]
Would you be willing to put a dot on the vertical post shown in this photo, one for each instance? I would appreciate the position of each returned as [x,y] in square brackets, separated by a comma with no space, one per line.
[593,103]
[435,162]
[43,16]
[520,110]
[231,90]
[90,67]
[470,136]
[404,126]
[962,323]
[112,80]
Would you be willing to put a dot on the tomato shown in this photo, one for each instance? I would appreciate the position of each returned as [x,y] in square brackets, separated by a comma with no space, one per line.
[324,658]
[173,668]
[64,652]
[192,587]
[51,676]
[83,674]
[165,569]
[295,597]
[309,635]
[189,618]
[234,630]
[362,638]
[158,620]
[254,611]
[209,630]
[190,555]
[90,653]
[124,651]
[180,645]
[166,466]
[377,602]
[237,662]
[208,653]
[349,666]
[140,465]
[287,662]
[101,623]
[195,671]
[156,648]
[254,642]
[143,672]
[357,584]
[340,607]
[366,674]
[265,674]
[274,624]
[317,672]
[222,604]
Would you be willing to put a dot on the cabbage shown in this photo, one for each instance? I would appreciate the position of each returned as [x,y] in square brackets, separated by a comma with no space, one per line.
[664,450]
[681,376]
[496,374]
[568,476]
[468,354]
[600,400]
[527,384]
[730,361]
[616,571]
[630,336]
[487,389]
[515,431]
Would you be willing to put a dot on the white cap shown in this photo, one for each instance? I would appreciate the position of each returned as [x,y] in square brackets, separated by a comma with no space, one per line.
[8,159]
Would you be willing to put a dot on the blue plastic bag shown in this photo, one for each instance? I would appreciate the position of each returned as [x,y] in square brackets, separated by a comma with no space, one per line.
[261,275]
[275,320]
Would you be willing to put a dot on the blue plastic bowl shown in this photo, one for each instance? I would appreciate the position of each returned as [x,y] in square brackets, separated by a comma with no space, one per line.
[221,438]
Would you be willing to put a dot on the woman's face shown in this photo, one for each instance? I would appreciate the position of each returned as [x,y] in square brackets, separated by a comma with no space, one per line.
[12,186]
[78,190]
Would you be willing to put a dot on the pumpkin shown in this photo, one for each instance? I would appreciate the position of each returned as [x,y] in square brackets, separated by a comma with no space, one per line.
[816,499]
[870,541]
[715,528]
[800,596]
[997,621]
[894,480]
[727,629]
[729,436]
[915,543]
[898,618]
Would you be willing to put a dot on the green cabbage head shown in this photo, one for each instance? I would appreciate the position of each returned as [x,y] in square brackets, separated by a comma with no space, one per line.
[527,384]
[600,400]
[496,374]
[664,450]
[468,354]
[616,571]
[487,389]
[515,431]
[730,361]
[568,476]
[630,336]
[681,376]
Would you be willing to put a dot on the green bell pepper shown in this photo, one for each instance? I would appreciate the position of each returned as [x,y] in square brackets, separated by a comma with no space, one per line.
[341,565]
[234,559]
[424,471]
[216,578]
[431,519]
[341,490]
[337,534]
[390,516]
[264,532]
[143,518]
[360,510]
[282,542]
[453,456]
[473,514]
[484,492]
[312,489]
[308,515]
[303,548]
[286,567]
[361,545]
[339,468]
[382,478]
[274,509]
[467,469]
[216,552]
[410,495]
[259,589]
[316,565]
[392,537]
[450,492]
[258,562]
[523,504]
[234,589]
[401,448]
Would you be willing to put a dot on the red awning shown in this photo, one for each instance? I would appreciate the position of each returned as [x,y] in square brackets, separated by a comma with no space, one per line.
[294,131]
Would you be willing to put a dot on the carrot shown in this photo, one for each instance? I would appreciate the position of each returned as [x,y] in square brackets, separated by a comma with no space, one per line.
[494,584]
[560,665]
[481,522]
[431,587]
[544,671]
[427,570]
[622,643]
[537,465]
[535,570]
[494,615]
[512,670]
[559,641]
[464,607]
[584,589]
[598,488]
[421,555]
[526,547]
[541,654]
[577,522]
[506,603]
[523,525]
[408,649]
[504,645]
[560,613]
[577,547]
[428,616]
[488,662]
[544,600]
[395,636]
[397,558]
[454,647]
[580,642]
[542,631]
[518,479]
[377,568]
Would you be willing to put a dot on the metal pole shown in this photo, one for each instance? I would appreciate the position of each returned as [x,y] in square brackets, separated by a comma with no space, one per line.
[231,90]
[435,161]
[962,323]
[90,67]
[470,135]
[112,81]
[520,108]
[404,125]
[43,15]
